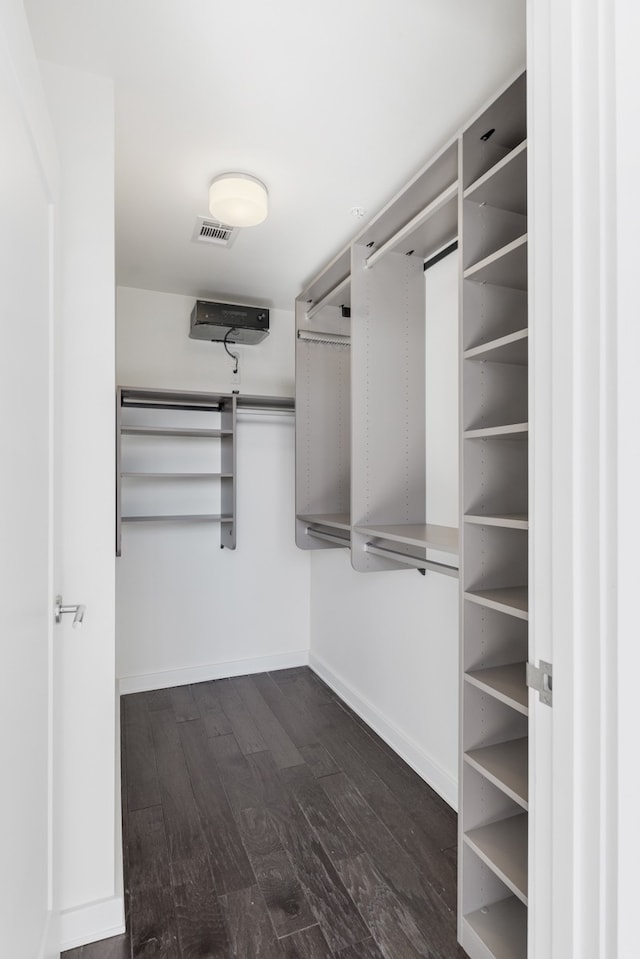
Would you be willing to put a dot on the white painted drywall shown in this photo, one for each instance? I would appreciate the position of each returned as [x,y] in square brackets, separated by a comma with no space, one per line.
[388,642]
[187,610]
[86,800]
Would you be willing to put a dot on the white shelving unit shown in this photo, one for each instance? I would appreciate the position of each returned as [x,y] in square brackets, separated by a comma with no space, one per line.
[493,819]
[159,430]
[361,455]
[360,385]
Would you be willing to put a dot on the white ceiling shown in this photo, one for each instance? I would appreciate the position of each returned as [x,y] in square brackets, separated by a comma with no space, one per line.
[331,104]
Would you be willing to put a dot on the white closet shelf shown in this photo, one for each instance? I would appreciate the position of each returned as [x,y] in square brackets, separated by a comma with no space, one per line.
[501,929]
[431,229]
[142,475]
[502,846]
[331,520]
[513,349]
[505,683]
[506,765]
[508,431]
[506,267]
[179,518]
[172,431]
[425,535]
[507,520]
[513,600]
[505,184]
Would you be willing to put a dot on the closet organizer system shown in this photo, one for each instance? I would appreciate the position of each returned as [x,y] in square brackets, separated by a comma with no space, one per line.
[168,441]
[360,449]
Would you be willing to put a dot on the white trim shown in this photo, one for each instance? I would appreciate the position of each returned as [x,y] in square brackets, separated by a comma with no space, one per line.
[202,674]
[91,922]
[406,747]
[50,942]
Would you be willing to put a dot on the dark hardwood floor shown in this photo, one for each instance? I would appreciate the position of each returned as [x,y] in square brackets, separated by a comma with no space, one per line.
[263,820]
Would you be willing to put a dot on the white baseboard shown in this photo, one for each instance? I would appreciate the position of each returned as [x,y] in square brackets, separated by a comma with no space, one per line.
[412,753]
[202,674]
[90,923]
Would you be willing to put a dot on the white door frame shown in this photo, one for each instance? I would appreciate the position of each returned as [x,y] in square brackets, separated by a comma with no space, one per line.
[583,77]
[19,74]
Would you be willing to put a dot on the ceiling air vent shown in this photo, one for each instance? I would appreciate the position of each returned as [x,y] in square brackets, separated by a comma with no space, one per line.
[207,230]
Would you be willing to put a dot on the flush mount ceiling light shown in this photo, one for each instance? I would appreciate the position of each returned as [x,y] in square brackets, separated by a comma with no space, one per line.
[238,199]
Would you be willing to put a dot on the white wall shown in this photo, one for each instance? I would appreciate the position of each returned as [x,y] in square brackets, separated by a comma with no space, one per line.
[388,642]
[86,800]
[187,610]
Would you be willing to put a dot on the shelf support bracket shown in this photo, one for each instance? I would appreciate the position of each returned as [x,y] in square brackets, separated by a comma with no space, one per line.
[541,678]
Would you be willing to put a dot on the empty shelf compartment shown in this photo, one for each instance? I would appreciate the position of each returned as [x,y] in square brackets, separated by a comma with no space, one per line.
[506,765]
[501,928]
[506,267]
[506,683]
[513,600]
[502,845]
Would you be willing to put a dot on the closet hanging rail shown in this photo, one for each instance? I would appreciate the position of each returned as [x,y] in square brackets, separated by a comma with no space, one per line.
[416,562]
[448,195]
[327,299]
[330,537]
[330,339]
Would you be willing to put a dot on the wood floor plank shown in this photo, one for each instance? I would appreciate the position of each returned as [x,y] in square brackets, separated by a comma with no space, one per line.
[338,840]
[183,704]
[336,914]
[236,775]
[250,932]
[307,944]
[134,708]
[427,808]
[278,741]
[116,947]
[298,722]
[158,699]
[242,724]
[227,856]
[207,698]
[392,926]
[409,883]
[140,760]
[422,848]
[319,761]
[148,852]
[368,949]
[284,897]
[201,927]
[258,832]
[266,775]
[154,932]
[181,818]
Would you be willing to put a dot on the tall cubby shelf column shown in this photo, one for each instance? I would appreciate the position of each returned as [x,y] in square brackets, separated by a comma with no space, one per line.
[493,821]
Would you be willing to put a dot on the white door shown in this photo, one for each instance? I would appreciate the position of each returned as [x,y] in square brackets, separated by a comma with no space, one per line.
[27,186]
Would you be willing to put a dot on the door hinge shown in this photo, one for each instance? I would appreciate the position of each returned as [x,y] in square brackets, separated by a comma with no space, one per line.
[541,678]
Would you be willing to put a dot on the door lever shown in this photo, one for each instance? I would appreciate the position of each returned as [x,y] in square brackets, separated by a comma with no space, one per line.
[78,612]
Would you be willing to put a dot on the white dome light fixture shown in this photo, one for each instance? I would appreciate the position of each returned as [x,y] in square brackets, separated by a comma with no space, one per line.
[238,199]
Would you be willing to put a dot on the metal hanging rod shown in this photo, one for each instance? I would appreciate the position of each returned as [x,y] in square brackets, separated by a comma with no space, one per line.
[330,537]
[330,339]
[326,299]
[417,221]
[416,562]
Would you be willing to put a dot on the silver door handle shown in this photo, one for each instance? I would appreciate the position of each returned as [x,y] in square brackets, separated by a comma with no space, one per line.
[78,612]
